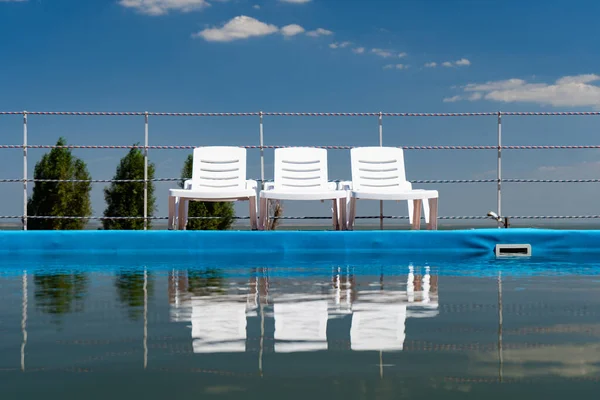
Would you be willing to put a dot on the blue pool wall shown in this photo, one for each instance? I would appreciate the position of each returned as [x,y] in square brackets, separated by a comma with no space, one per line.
[455,243]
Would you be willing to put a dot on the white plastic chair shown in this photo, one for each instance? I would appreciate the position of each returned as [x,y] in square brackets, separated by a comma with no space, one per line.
[378,174]
[218,175]
[301,174]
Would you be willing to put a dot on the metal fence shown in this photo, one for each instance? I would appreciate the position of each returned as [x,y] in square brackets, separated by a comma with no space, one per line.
[261,147]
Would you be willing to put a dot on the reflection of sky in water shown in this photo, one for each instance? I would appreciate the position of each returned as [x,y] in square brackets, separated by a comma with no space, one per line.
[381,331]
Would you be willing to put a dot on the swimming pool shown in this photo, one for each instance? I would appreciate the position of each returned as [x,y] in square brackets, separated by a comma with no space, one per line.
[297,317]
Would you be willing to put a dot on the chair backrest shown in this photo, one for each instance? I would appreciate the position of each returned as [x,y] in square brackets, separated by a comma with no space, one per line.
[300,169]
[219,168]
[378,169]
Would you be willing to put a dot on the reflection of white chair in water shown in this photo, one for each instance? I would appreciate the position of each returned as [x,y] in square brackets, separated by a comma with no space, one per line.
[300,326]
[218,326]
[378,320]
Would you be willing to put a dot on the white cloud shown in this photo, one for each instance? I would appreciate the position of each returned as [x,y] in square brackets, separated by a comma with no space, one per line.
[162,7]
[291,30]
[340,45]
[238,28]
[13,1]
[430,65]
[568,91]
[395,66]
[452,99]
[402,55]
[319,32]
[463,62]
[256,7]
[382,53]
[295,1]
[359,50]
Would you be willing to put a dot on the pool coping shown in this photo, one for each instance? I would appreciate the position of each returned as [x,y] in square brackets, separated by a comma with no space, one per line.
[470,242]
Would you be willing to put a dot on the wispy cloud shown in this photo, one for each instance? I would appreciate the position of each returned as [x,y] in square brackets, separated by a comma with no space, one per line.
[256,7]
[239,28]
[13,1]
[395,66]
[162,7]
[359,50]
[292,30]
[382,53]
[387,53]
[295,1]
[431,64]
[568,91]
[463,62]
[340,45]
[319,32]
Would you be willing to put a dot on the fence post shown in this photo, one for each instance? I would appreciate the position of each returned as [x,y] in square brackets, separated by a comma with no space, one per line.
[499,168]
[24,221]
[380,145]
[146,171]
[262,151]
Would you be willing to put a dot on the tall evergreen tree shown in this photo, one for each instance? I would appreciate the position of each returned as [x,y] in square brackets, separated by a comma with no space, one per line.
[130,290]
[223,211]
[59,199]
[126,199]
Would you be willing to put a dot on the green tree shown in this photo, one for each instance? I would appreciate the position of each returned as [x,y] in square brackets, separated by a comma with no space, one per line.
[222,211]
[130,289]
[59,294]
[126,199]
[59,199]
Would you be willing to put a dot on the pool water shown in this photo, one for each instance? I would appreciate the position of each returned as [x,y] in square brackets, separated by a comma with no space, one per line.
[120,329]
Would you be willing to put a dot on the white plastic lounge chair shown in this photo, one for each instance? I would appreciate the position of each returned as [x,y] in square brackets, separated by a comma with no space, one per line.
[378,174]
[301,174]
[218,174]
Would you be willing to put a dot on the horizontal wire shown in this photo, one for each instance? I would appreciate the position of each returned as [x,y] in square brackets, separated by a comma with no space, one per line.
[302,114]
[466,217]
[187,147]
[425,181]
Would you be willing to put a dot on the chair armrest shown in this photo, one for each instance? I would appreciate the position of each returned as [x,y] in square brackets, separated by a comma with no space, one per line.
[251,184]
[269,185]
[345,185]
[332,185]
[187,184]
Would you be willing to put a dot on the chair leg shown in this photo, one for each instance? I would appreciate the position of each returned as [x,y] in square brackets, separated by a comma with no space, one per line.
[335,218]
[182,217]
[253,217]
[410,211]
[426,211]
[263,214]
[172,218]
[352,214]
[417,204]
[433,214]
[343,215]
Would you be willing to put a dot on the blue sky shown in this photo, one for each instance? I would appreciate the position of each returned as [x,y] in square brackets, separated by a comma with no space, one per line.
[319,55]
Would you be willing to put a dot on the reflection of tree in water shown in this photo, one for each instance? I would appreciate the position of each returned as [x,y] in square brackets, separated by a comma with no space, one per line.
[60,293]
[206,282]
[130,290]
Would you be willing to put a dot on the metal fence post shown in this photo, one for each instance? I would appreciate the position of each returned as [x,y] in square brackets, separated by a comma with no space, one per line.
[499,193]
[380,145]
[262,152]
[146,171]
[24,221]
